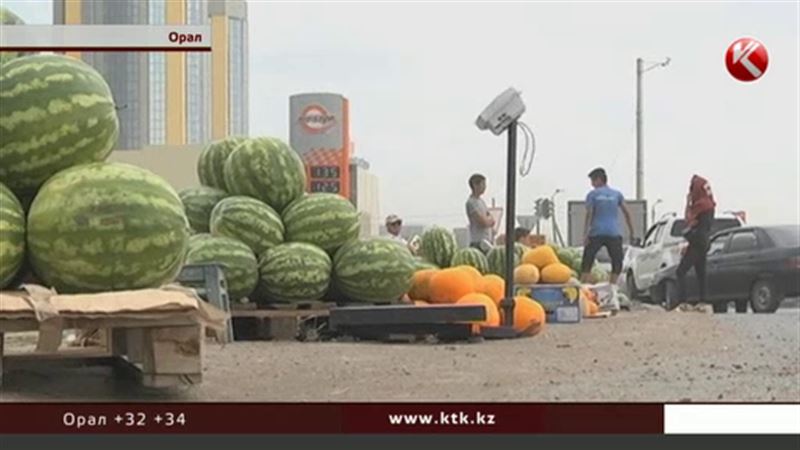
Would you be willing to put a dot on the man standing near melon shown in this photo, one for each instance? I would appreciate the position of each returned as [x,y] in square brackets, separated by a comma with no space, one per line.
[481,221]
[602,226]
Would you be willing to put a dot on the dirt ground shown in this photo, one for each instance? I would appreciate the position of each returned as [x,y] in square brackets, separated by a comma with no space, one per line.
[643,355]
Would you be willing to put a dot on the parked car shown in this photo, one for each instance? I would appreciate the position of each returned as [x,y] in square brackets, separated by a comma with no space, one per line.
[759,266]
[662,248]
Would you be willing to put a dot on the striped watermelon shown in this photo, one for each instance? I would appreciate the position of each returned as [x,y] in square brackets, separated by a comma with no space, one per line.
[267,169]
[238,262]
[106,226]
[8,18]
[295,272]
[470,257]
[438,246]
[249,220]
[497,258]
[324,220]
[57,112]
[12,235]
[373,270]
[211,164]
[198,203]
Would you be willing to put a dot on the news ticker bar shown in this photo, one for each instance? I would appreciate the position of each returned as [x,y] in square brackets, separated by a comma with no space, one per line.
[398,418]
[105,38]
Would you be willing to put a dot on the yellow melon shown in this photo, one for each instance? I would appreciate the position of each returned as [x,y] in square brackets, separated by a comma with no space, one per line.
[556,274]
[449,285]
[529,316]
[526,274]
[474,273]
[492,314]
[494,286]
[420,287]
[541,256]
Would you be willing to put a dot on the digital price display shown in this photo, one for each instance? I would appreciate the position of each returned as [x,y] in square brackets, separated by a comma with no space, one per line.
[329,186]
[326,172]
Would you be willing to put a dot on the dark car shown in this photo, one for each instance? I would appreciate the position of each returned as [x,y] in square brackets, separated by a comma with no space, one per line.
[759,266]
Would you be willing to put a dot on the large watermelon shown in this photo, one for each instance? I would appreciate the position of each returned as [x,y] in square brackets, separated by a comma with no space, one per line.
[324,220]
[211,164]
[106,226]
[497,258]
[238,262]
[295,272]
[438,246]
[373,270]
[471,257]
[12,235]
[7,17]
[198,202]
[249,220]
[57,112]
[267,169]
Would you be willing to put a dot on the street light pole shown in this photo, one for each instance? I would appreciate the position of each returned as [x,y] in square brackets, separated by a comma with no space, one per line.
[640,70]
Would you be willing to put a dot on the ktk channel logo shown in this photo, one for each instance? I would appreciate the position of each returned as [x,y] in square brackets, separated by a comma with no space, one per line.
[747,59]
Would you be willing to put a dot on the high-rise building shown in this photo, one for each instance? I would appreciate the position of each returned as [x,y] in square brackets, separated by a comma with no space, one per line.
[172,98]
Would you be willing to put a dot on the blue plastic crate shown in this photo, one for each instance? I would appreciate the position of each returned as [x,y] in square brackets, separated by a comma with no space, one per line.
[561,302]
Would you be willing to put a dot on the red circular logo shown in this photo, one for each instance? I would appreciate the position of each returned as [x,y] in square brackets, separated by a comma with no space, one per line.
[747,59]
[316,119]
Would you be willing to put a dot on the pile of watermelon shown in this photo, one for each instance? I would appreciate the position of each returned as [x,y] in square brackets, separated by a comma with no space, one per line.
[278,244]
[68,219]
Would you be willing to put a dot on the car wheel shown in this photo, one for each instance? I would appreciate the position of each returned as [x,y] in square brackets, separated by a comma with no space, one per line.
[765,297]
[630,286]
[719,307]
[741,306]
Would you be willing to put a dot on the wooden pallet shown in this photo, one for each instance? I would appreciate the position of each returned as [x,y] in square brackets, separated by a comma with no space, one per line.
[157,355]
[277,324]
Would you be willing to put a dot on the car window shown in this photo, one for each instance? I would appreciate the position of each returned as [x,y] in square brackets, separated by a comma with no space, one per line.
[718,225]
[651,235]
[659,233]
[788,236]
[743,241]
[717,245]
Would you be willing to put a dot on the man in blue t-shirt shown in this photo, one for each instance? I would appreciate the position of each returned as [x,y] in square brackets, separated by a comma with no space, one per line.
[602,225]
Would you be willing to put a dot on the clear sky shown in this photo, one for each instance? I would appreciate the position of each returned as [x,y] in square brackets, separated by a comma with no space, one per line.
[418,74]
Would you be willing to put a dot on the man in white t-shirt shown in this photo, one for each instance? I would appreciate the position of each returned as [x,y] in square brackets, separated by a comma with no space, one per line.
[394,224]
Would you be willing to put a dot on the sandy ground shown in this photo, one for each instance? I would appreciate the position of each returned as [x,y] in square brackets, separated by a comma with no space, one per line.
[643,355]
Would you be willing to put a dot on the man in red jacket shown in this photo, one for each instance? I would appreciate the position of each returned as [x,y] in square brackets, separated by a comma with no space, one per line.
[699,215]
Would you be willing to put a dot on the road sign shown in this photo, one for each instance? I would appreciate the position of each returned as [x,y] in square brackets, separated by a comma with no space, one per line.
[746,59]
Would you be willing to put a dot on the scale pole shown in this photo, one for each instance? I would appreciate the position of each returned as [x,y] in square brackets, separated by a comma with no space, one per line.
[511,194]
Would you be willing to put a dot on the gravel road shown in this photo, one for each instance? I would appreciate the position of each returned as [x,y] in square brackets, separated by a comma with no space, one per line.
[643,355]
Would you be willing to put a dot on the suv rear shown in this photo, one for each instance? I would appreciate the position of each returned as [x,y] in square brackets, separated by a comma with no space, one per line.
[662,247]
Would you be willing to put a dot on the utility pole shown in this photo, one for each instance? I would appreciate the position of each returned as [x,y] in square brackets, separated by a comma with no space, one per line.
[640,70]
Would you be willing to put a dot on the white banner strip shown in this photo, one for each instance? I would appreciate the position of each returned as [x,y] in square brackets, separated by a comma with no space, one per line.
[106,37]
[732,419]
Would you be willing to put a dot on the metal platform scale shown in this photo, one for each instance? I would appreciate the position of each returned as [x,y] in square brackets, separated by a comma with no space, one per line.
[451,322]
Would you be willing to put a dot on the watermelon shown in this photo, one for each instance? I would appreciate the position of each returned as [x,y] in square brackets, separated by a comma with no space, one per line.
[295,272]
[104,227]
[8,18]
[471,257]
[211,164]
[249,220]
[198,203]
[12,235]
[324,220]
[497,258]
[57,113]
[438,246]
[238,262]
[373,270]
[267,169]
[422,264]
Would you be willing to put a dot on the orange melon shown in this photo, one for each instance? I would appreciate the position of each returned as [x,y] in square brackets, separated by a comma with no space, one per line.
[492,314]
[449,285]
[526,274]
[420,286]
[494,286]
[420,303]
[541,256]
[556,274]
[529,316]
[474,273]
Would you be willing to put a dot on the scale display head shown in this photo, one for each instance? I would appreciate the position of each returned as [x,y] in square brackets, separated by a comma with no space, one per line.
[504,109]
